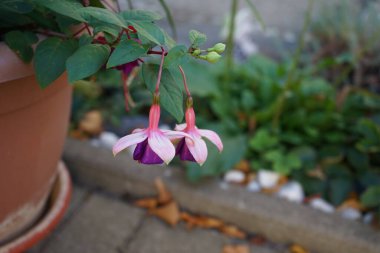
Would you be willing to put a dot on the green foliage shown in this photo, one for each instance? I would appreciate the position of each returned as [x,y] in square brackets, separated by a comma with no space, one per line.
[51,54]
[170,92]
[126,52]
[86,61]
[21,43]
[196,38]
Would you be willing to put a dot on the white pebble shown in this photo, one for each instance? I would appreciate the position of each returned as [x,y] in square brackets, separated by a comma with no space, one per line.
[292,191]
[267,179]
[108,139]
[234,176]
[224,186]
[253,186]
[322,205]
[351,213]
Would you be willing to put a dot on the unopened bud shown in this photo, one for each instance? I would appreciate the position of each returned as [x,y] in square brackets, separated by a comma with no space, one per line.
[213,57]
[196,52]
[219,48]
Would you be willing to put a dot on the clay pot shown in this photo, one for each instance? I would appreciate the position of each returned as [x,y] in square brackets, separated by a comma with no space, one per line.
[33,125]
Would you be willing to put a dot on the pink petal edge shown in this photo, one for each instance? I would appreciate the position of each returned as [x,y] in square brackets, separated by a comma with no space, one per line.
[213,137]
[198,149]
[129,140]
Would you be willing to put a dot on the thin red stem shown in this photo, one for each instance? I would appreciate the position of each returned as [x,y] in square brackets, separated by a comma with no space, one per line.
[88,29]
[184,81]
[51,33]
[126,91]
[156,52]
[157,92]
[79,31]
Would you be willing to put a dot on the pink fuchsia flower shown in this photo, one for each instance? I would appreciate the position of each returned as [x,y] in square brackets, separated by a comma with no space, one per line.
[194,149]
[153,144]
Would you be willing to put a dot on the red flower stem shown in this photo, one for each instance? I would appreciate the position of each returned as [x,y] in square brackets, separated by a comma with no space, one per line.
[184,81]
[156,52]
[140,60]
[157,92]
[127,32]
[79,31]
[88,29]
[126,91]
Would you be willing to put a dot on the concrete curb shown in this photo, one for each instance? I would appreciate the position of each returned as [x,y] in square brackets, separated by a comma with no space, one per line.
[277,219]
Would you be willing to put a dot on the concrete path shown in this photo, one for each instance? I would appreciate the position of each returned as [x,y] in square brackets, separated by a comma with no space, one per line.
[101,223]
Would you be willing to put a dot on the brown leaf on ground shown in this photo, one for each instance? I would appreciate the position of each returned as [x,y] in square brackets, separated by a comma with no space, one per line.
[148,203]
[164,196]
[208,222]
[201,221]
[258,240]
[169,213]
[232,231]
[78,134]
[235,249]
[295,248]
[243,166]
[91,123]
[351,203]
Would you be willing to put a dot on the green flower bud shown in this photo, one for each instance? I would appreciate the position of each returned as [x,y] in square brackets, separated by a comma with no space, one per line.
[219,48]
[196,52]
[213,57]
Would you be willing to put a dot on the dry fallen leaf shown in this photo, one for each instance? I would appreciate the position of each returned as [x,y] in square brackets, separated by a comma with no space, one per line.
[169,213]
[351,203]
[164,195]
[243,166]
[148,203]
[232,231]
[235,249]
[91,123]
[295,248]
[258,240]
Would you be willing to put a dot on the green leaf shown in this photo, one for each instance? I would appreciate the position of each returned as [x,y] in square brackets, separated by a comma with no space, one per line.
[196,38]
[149,31]
[51,55]
[177,56]
[86,61]
[103,15]
[69,8]
[263,140]
[371,197]
[171,97]
[357,159]
[85,39]
[17,6]
[126,51]
[140,15]
[21,43]
[339,189]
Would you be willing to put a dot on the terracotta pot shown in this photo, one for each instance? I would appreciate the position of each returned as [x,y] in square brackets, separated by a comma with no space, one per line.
[33,125]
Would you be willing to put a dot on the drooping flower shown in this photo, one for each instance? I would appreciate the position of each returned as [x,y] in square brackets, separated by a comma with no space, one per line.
[153,144]
[194,149]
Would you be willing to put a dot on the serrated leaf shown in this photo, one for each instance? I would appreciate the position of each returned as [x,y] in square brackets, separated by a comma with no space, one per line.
[51,55]
[171,97]
[149,31]
[103,15]
[126,51]
[140,15]
[69,8]
[86,61]
[197,38]
[177,55]
[21,43]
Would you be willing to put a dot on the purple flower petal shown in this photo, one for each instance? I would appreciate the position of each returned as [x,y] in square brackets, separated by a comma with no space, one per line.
[128,67]
[184,152]
[144,154]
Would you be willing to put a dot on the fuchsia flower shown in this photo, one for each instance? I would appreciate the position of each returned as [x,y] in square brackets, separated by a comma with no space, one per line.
[153,144]
[194,148]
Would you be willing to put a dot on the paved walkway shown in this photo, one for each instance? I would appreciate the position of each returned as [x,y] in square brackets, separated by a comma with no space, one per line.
[100,223]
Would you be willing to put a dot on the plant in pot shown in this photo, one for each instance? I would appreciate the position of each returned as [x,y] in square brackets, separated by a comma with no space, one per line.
[46,44]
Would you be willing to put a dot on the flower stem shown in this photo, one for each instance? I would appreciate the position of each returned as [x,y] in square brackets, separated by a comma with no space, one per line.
[157,92]
[184,81]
